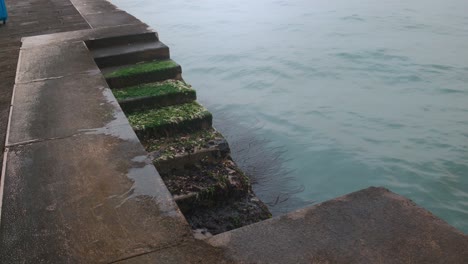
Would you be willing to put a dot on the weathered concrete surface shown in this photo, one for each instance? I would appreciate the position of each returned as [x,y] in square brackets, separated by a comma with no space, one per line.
[368,226]
[78,186]
[86,35]
[27,18]
[56,62]
[87,198]
[47,109]
[103,14]
[193,251]
[130,53]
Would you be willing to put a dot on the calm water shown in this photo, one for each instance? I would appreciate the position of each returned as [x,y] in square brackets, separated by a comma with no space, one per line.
[321,98]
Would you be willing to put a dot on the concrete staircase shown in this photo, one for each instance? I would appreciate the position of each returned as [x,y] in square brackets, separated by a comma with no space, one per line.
[192,157]
[77,185]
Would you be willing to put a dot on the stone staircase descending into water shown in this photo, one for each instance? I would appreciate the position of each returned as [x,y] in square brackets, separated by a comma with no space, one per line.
[77,185]
[191,156]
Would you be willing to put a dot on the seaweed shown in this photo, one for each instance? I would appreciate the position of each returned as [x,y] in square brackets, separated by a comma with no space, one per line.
[153,66]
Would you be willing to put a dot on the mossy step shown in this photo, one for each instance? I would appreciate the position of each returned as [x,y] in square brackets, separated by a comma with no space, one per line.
[154,95]
[170,120]
[206,184]
[175,153]
[148,72]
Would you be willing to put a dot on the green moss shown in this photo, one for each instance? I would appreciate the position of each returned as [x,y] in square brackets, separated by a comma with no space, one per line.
[154,89]
[182,143]
[153,66]
[167,115]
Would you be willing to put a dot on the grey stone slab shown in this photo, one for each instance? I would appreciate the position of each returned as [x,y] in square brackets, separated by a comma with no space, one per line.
[369,226]
[88,198]
[130,53]
[129,48]
[109,19]
[85,35]
[54,61]
[55,108]
[94,7]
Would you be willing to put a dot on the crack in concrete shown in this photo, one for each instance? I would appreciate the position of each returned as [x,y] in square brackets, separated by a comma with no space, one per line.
[39,140]
[150,252]
[89,72]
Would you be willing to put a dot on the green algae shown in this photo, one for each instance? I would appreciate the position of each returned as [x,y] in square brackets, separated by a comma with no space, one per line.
[154,66]
[168,87]
[170,115]
[181,144]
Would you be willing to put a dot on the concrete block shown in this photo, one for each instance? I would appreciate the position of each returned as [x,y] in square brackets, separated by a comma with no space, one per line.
[369,226]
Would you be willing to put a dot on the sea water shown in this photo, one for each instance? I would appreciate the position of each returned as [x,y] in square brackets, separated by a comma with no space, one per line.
[319,98]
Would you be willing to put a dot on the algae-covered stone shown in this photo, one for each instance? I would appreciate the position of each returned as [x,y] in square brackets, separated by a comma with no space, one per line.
[152,67]
[170,119]
[154,95]
[183,144]
[206,184]
[154,89]
[143,73]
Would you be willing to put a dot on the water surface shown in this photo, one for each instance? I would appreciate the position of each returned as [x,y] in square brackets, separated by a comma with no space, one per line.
[322,98]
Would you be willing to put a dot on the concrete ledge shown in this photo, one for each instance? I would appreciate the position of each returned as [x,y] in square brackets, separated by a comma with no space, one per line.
[86,35]
[369,226]
[77,185]
[103,14]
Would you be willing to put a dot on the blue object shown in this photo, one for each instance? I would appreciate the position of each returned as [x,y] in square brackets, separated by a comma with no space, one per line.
[3,11]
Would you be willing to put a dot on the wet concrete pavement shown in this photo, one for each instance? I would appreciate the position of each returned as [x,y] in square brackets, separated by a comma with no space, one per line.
[369,226]
[78,186]
[29,18]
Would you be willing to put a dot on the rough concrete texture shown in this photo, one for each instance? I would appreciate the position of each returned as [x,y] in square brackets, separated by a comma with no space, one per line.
[78,186]
[189,252]
[28,18]
[103,14]
[56,62]
[369,226]
[87,198]
[86,34]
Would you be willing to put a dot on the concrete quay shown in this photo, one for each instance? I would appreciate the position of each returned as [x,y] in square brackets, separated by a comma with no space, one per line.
[77,186]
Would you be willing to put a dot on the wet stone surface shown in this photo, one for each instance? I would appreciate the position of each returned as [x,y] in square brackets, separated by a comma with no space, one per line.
[192,157]
[154,95]
[213,180]
[228,215]
[165,148]
[209,188]
[141,73]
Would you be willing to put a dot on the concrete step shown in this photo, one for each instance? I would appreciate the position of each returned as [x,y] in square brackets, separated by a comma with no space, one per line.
[104,42]
[132,75]
[206,184]
[154,95]
[173,154]
[170,120]
[130,53]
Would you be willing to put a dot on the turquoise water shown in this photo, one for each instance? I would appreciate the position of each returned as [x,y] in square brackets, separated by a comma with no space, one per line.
[322,98]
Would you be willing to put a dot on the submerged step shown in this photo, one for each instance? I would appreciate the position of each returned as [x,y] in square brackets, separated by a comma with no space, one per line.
[228,215]
[206,184]
[148,72]
[154,95]
[176,153]
[129,53]
[170,120]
